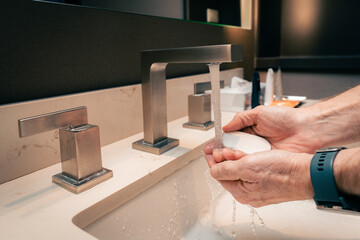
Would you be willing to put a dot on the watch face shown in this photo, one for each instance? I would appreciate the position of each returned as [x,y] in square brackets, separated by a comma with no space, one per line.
[331,149]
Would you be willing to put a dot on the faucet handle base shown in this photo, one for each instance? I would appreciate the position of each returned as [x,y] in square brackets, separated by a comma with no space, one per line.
[203,127]
[76,186]
[157,148]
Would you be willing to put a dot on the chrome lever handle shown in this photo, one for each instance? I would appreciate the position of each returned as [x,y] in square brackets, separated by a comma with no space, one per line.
[54,120]
[80,147]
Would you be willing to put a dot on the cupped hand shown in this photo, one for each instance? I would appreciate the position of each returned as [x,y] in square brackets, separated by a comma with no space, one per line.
[283,127]
[264,178]
[221,154]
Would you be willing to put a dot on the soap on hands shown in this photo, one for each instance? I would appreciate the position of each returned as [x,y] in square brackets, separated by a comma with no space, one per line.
[236,145]
[245,142]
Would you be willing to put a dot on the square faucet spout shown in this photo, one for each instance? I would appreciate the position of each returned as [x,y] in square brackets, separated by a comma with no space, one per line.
[153,75]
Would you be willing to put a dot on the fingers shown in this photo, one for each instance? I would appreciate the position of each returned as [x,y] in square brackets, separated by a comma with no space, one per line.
[240,121]
[228,170]
[208,149]
[210,160]
[223,154]
[218,155]
[229,154]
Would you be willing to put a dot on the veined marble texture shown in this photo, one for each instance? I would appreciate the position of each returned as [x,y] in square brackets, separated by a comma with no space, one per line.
[117,111]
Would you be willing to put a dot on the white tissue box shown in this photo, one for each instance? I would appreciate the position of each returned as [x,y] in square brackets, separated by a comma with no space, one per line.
[235,99]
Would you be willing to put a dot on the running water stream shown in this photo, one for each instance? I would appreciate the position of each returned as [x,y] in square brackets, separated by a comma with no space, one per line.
[214,69]
[215,98]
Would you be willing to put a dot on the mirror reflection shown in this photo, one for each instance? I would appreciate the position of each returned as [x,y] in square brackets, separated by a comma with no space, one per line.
[222,12]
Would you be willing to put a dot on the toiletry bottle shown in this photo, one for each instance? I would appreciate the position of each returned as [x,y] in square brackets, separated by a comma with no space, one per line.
[256,90]
[278,86]
[269,87]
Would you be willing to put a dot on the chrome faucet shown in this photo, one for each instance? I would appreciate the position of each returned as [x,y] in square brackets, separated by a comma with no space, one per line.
[153,74]
[79,146]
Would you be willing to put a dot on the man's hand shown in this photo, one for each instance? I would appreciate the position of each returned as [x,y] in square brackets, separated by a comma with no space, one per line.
[284,128]
[334,122]
[264,178]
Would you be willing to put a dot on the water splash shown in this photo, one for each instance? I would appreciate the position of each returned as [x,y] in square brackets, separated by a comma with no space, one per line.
[254,213]
[233,223]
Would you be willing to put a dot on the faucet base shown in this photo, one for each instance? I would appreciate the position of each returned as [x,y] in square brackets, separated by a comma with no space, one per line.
[203,127]
[75,186]
[157,148]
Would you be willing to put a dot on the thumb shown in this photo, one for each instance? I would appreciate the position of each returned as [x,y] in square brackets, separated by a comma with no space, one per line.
[241,120]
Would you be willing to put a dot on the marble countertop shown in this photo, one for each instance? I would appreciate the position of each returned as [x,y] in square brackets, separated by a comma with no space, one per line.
[32,207]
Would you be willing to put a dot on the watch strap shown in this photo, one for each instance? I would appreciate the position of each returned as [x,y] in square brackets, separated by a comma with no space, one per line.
[322,178]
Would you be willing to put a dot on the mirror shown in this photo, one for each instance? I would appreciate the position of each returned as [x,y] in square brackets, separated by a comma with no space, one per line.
[229,12]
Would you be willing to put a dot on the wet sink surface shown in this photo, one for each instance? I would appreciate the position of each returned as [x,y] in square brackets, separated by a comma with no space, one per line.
[189,204]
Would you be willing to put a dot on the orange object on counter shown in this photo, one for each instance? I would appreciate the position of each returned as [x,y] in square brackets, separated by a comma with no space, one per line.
[285,103]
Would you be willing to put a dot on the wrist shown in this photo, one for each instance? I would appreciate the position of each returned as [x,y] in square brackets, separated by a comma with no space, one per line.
[310,130]
[338,171]
[330,122]
[346,168]
[302,164]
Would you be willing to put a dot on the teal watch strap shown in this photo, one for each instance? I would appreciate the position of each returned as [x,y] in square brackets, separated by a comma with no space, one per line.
[324,185]
[322,178]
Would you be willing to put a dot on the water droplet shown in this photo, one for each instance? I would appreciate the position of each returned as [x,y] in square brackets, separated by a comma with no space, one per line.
[233,233]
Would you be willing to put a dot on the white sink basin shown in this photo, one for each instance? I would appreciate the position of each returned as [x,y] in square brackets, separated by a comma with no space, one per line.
[189,204]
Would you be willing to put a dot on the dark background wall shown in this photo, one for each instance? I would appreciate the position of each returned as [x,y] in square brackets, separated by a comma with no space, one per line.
[309,34]
[53,49]
[228,10]
[315,42]
[320,27]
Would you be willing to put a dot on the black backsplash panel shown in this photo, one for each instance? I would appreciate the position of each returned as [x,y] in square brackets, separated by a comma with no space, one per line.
[229,11]
[269,32]
[50,49]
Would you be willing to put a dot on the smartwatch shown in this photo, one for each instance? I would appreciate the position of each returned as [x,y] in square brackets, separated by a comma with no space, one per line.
[327,196]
